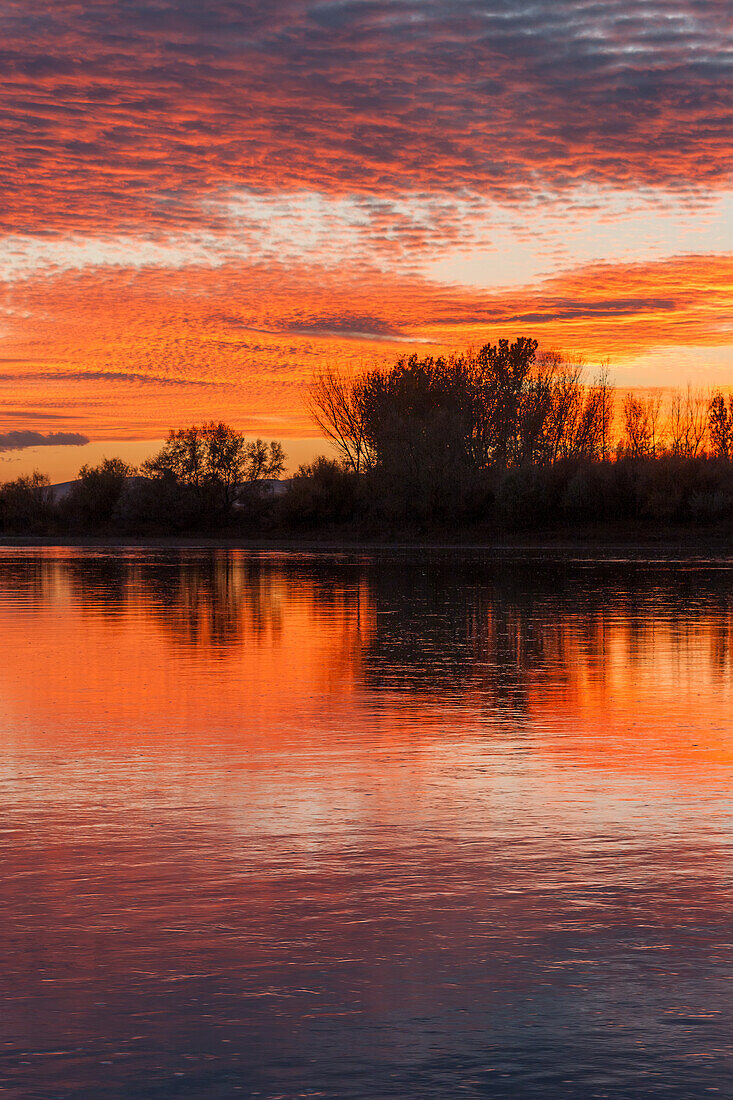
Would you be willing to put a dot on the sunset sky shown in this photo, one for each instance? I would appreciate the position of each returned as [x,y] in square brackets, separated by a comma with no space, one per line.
[202,202]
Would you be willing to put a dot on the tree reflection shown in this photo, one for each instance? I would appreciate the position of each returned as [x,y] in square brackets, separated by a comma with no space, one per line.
[211,601]
[506,630]
[433,625]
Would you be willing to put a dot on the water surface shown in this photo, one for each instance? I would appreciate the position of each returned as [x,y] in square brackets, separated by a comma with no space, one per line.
[398,825]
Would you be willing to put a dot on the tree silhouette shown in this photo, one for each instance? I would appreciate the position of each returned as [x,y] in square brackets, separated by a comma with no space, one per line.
[94,497]
[215,461]
[720,425]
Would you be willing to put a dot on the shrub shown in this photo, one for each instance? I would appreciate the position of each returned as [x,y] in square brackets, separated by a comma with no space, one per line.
[323,492]
[529,496]
[683,488]
[595,491]
[160,505]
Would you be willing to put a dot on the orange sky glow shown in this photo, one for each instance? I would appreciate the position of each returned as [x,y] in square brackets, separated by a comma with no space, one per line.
[202,204]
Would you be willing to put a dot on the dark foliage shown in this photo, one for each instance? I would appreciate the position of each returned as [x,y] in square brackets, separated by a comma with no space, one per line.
[669,489]
[720,425]
[94,500]
[214,461]
[430,434]
[162,506]
[206,478]
[323,493]
[27,505]
[501,439]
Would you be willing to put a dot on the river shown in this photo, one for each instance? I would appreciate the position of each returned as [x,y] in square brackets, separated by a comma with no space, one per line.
[401,824]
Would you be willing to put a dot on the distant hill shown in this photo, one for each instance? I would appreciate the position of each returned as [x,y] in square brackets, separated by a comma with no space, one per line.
[61,491]
[63,488]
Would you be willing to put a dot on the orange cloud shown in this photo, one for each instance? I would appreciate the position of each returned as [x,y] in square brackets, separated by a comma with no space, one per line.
[201,203]
[119,352]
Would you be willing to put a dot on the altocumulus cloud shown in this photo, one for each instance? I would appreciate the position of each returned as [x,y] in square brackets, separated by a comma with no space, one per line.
[22,440]
[178,102]
[342,176]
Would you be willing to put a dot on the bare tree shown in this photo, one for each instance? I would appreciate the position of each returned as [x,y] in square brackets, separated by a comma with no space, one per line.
[641,415]
[687,422]
[566,415]
[335,403]
[604,404]
[698,401]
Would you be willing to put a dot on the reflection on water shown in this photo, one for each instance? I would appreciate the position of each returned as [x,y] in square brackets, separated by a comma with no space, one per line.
[364,826]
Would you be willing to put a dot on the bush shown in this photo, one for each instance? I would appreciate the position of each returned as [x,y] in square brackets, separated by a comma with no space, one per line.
[160,505]
[321,493]
[667,489]
[683,488]
[596,491]
[531,496]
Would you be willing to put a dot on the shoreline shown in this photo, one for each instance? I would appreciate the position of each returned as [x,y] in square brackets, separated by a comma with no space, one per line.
[686,542]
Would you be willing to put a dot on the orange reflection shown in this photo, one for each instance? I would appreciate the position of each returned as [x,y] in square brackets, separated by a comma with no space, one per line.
[227,652]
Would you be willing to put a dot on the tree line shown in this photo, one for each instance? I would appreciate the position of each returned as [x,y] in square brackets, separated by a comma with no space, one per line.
[506,435]
[506,405]
[198,480]
[524,437]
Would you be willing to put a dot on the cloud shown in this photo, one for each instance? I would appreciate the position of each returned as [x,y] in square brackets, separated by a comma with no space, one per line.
[204,202]
[347,325]
[138,378]
[121,117]
[159,347]
[22,440]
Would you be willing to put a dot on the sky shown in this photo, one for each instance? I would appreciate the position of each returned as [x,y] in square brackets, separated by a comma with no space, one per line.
[200,204]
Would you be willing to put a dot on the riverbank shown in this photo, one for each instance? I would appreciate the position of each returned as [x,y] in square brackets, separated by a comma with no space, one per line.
[616,539]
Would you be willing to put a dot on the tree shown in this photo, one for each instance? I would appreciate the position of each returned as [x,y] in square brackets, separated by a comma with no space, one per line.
[263,461]
[688,415]
[720,425]
[502,406]
[429,410]
[336,404]
[601,400]
[214,461]
[96,494]
[182,458]
[429,428]
[503,375]
[27,503]
[561,424]
[641,425]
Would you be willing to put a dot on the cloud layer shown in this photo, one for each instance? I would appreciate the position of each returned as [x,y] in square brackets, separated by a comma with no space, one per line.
[151,112]
[241,343]
[201,203]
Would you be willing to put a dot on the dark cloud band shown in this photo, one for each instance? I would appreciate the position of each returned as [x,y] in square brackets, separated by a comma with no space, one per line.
[22,440]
